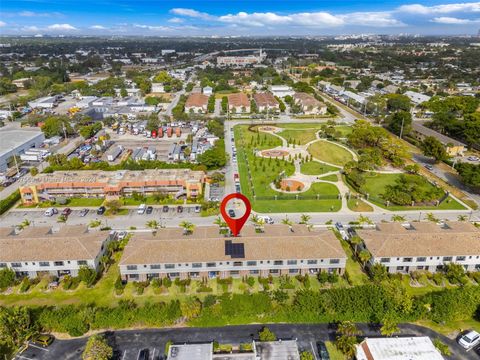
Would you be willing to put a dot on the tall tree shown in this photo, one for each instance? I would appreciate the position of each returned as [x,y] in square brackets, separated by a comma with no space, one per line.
[431,146]
[97,348]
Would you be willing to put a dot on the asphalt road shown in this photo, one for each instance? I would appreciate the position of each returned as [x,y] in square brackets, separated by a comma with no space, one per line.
[128,343]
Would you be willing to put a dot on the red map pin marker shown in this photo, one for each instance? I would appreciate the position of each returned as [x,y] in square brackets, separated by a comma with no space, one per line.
[235,225]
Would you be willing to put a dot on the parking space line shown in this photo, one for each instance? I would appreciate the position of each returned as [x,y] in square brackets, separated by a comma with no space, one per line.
[24,357]
[313,351]
[153,355]
[38,347]
[124,353]
[138,355]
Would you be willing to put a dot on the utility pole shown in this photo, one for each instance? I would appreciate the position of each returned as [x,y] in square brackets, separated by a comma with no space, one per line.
[401,129]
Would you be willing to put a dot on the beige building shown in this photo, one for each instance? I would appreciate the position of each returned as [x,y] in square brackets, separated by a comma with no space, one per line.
[309,105]
[238,103]
[38,250]
[111,184]
[279,250]
[196,103]
[266,101]
[425,246]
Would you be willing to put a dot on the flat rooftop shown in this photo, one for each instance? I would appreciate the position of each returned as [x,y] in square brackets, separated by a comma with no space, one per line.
[10,139]
[206,244]
[402,348]
[422,239]
[278,350]
[191,352]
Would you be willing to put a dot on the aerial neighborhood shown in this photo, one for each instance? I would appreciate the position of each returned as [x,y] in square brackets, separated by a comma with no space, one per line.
[349,166]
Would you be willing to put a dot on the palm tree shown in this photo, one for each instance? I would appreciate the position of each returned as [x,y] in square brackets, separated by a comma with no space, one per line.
[257,221]
[432,218]
[346,339]
[187,227]
[364,256]
[364,220]
[462,218]
[348,328]
[304,219]
[221,224]
[153,224]
[25,223]
[287,221]
[398,218]
[355,241]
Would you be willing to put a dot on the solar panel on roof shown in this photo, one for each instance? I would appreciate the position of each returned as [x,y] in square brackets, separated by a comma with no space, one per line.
[236,251]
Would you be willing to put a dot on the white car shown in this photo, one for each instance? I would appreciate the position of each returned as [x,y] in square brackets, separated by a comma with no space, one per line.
[50,212]
[266,219]
[469,340]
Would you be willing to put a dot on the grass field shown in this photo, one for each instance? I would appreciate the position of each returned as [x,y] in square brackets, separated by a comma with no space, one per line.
[332,178]
[316,168]
[375,187]
[264,171]
[330,153]
[300,137]
[359,205]
[334,353]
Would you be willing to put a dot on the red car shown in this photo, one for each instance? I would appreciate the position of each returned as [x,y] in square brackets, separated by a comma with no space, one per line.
[66,211]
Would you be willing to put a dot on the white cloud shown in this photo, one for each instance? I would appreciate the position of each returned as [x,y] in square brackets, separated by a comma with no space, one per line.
[440,9]
[61,27]
[98,27]
[3,23]
[453,21]
[175,20]
[30,29]
[191,13]
[27,13]
[375,19]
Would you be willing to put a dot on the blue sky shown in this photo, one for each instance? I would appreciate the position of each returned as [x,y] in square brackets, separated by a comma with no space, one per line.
[237,17]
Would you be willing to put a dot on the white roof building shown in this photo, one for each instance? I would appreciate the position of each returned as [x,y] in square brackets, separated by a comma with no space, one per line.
[281,90]
[400,348]
[207,90]
[416,97]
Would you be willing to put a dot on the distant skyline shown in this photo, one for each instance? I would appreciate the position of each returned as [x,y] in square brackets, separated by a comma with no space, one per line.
[237,17]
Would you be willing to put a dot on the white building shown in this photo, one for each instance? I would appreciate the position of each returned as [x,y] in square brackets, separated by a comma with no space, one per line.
[397,348]
[281,90]
[207,90]
[15,141]
[47,102]
[158,88]
[416,97]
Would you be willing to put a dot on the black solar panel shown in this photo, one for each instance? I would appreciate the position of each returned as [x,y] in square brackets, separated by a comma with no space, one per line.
[236,251]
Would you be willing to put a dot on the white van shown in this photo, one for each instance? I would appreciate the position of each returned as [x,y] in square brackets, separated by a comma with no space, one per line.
[141,209]
[50,212]
[266,219]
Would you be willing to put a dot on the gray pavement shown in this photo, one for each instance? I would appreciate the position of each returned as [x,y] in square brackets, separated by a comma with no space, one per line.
[128,343]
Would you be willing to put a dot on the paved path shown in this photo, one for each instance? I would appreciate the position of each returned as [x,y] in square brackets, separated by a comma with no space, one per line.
[128,343]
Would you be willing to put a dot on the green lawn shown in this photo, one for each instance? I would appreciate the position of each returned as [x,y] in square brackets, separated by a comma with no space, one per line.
[334,353]
[330,153]
[300,137]
[332,178]
[375,186]
[359,205]
[316,168]
[354,269]
[264,171]
[345,130]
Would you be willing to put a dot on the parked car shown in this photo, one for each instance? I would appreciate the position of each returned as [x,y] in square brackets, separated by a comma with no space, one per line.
[101,210]
[179,209]
[198,208]
[43,340]
[149,209]
[67,211]
[231,213]
[51,211]
[469,340]
[322,351]
[141,209]
[429,167]
[84,212]
[121,235]
[165,208]
[144,354]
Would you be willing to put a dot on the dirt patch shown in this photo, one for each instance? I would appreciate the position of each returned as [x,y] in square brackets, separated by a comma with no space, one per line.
[274,153]
[291,185]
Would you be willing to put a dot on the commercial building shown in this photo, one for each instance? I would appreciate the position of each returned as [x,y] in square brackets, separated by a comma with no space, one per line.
[403,248]
[111,184]
[309,105]
[397,348]
[196,103]
[278,250]
[15,141]
[417,98]
[239,103]
[37,251]
[240,61]
[281,90]
[452,146]
[266,101]
[47,102]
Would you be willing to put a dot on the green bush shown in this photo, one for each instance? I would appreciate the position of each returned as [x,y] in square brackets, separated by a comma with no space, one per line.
[9,201]
[7,278]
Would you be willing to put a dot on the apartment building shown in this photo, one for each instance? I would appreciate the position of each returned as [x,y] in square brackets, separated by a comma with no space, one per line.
[278,250]
[111,184]
[238,103]
[37,251]
[266,101]
[196,103]
[403,248]
[418,348]
[309,105]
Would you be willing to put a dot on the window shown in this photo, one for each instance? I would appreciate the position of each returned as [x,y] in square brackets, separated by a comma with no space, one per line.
[292,262]
[420,267]
[197,265]
[254,272]
[461,258]
[133,276]
[212,264]
[58,263]
[194,274]
[174,275]
[3,265]
[234,272]
[293,271]
[274,271]
[421,259]
[447,258]
[334,261]
[82,262]
[155,266]
[385,260]
[477,267]
[237,263]
[153,276]
[251,263]
[44,263]
[169,266]
[278,262]
[407,259]
[131,267]
[312,262]
[16,265]
[400,268]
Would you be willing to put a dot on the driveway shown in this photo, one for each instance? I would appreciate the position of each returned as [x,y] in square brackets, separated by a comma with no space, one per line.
[128,343]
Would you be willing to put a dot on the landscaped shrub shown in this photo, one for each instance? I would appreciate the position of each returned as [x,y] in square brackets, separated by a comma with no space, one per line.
[438,278]
[70,283]
[7,278]
[119,287]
